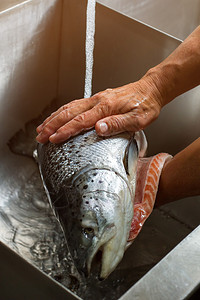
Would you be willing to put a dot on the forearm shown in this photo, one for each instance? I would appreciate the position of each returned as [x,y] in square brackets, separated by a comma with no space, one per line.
[180,71]
[180,177]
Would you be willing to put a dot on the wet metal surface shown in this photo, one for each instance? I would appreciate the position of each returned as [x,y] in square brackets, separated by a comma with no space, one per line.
[28,225]
[22,280]
[177,18]
[179,270]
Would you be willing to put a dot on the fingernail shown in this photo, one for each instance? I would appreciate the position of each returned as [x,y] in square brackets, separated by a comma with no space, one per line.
[103,127]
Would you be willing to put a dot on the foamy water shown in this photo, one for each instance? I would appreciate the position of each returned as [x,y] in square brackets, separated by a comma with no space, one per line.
[89,47]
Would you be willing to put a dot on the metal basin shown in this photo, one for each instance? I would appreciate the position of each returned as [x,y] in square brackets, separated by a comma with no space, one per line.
[42,59]
[178,18]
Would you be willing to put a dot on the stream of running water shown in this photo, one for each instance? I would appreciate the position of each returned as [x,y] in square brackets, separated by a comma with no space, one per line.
[89,46]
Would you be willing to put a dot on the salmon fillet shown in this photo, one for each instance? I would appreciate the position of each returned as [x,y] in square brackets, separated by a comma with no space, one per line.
[148,176]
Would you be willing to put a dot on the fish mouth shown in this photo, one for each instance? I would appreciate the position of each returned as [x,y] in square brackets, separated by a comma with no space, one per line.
[109,252]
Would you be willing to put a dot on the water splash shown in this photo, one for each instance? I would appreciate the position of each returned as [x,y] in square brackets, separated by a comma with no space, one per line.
[89,47]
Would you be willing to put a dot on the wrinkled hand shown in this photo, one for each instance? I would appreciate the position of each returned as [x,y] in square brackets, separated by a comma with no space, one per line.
[128,108]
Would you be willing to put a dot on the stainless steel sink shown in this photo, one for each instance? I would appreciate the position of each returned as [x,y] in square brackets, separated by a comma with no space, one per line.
[177,18]
[42,60]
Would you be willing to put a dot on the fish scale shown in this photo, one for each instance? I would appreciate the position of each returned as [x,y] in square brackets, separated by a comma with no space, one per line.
[65,160]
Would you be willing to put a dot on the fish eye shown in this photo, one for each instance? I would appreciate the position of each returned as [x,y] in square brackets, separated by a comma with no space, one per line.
[87,236]
[88,230]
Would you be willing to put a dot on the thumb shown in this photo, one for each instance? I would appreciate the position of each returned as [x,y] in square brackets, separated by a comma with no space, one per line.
[116,124]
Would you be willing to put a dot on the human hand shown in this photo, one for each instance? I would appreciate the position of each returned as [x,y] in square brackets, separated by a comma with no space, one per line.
[128,108]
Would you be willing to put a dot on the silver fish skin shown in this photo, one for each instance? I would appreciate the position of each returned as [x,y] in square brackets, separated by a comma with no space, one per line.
[90,183]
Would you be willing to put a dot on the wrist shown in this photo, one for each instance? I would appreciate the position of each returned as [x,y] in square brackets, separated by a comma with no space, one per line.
[163,79]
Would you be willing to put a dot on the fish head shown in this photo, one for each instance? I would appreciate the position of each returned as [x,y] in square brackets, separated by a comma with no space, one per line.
[96,221]
[92,195]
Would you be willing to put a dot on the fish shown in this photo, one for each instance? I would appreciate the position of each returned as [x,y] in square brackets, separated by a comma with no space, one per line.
[90,182]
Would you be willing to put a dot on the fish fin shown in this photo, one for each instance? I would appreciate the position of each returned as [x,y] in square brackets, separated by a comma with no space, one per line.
[148,175]
[23,142]
[141,142]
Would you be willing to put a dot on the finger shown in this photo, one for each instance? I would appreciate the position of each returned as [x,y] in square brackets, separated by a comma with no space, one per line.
[54,114]
[119,123]
[75,107]
[78,124]
[39,128]
[61,118]
[50,128]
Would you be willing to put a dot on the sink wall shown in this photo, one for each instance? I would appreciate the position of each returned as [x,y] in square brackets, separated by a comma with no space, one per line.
[178,18]
[42,58]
